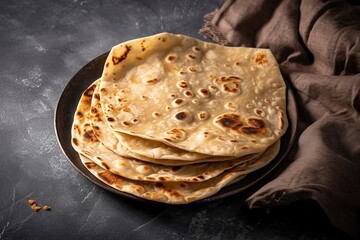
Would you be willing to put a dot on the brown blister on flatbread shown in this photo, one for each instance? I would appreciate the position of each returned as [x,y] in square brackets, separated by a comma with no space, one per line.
[183,116]
[118,59]
[229,84]
[90,165]
[89,135]
[261,59]
[90,91]
[239,125]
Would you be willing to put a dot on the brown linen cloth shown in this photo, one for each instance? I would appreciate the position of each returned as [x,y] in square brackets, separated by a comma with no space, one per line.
[317,44]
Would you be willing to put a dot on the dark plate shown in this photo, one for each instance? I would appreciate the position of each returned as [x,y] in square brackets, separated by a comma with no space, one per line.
[92,71]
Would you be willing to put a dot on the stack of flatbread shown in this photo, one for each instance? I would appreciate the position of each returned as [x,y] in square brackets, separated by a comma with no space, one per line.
[174,119]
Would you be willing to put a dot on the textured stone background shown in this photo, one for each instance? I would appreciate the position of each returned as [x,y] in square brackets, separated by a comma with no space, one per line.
[42,45]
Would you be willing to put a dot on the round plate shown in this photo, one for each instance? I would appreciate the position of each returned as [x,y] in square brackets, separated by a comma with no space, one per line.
[92,71]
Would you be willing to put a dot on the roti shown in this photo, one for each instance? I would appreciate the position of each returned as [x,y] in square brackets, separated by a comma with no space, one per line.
[86,143]
[174,119]
[193,95]
[164,192]
[139,148]
[176,192]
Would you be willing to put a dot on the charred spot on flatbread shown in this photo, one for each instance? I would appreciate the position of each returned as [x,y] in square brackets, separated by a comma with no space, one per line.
[118,59]
[239,125]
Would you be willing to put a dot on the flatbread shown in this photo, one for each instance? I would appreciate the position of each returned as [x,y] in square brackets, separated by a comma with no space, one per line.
[164,192]
[173,192]
[194,95]
[139,148]
[86,143]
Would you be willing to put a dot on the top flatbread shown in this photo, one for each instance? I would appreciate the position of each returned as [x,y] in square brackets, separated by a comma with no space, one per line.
[135,147]
[193,95]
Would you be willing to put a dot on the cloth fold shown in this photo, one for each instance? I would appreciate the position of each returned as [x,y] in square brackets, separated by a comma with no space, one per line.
[317,45]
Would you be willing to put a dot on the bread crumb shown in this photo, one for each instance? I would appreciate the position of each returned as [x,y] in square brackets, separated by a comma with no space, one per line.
[47,208]
[35,207]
